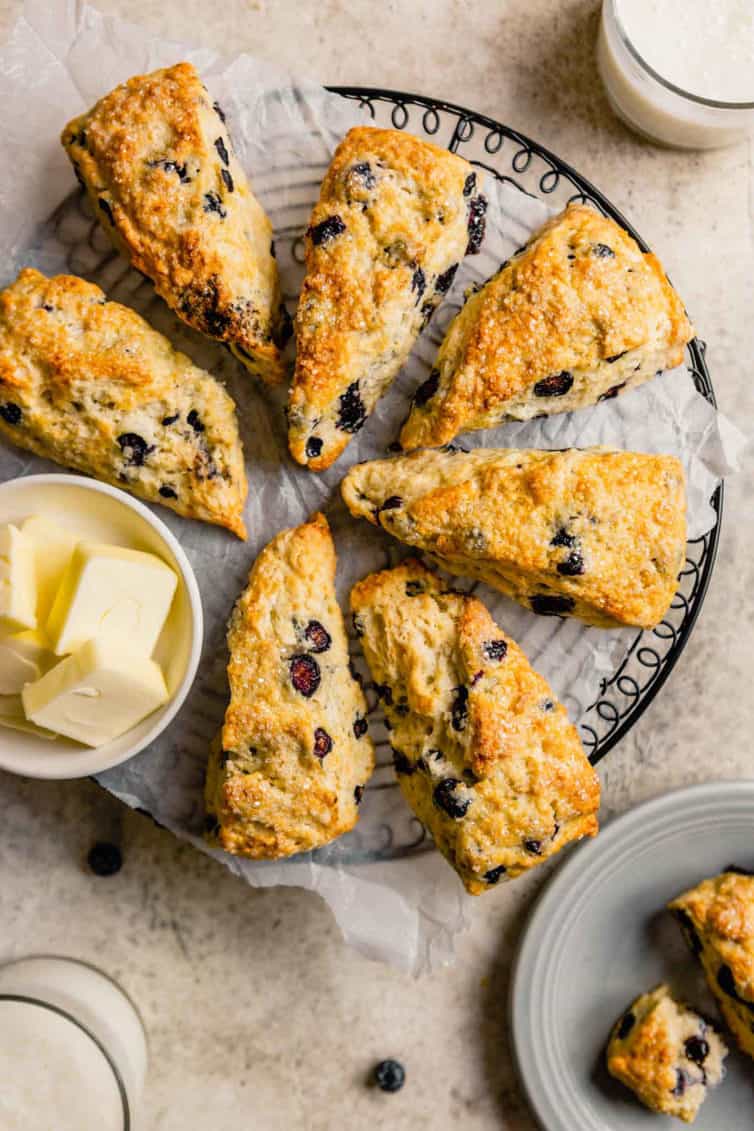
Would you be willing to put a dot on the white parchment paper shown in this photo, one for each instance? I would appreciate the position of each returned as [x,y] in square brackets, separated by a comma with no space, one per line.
[391,900]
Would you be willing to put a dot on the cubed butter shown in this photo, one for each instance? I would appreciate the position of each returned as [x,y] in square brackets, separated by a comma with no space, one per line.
[24,657]
[12,716]
[53,546]
[108,591]
[18,588]
[96,694]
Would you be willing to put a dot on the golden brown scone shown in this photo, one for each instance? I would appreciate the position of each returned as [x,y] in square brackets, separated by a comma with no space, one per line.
[575,317]
[485,755]
[717,917]
[667,1054]
[89,384]
[289,770]
[395,217]
[157,161]
[593,533]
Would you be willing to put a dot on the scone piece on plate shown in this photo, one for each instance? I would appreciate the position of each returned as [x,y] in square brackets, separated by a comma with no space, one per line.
[593,533]
[717,918]
[89,384]
[484,753]
[395,217]
[577,316]
[289,767]
[157,161]
[666,1054]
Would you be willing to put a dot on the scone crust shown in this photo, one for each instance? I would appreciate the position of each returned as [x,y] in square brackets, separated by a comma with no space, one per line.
[390,227]
[485,755]
[289,768]
[581,310]
[89,384]
[593,533]
[157,161]
[717,917]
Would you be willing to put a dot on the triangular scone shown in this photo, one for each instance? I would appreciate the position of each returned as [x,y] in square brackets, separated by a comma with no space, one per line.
[717,918]
[395,217]
[575,317]
[484,753]
[89,384]
[294,755]
[157,161]
[592,533]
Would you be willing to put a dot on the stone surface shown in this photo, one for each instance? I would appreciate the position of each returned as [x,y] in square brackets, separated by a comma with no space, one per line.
[255,1008]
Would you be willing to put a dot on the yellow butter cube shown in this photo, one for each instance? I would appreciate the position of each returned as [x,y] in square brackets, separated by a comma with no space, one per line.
[97,694]
[18,587]
[12,716]
[53,546]
[108,591]
[24,657]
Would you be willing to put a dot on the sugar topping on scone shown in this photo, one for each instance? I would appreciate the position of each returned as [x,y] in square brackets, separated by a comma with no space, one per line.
[578,315]
[593,533]
[394,218]
[667,1054]
[157,161]
[288,770]
[484,752]
[89,384]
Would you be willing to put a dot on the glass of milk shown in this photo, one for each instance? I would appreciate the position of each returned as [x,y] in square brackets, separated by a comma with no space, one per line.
[680,72]
[73,1052]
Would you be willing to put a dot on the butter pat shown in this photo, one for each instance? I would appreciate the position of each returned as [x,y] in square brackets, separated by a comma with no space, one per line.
[112,593]
[18,589]
[12,716]
[24,658]
[97,694]
[53,546]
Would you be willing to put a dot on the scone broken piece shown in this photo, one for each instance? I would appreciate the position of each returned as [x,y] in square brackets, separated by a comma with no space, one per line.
[666,1054]
[717,918]
[89,384]
[484,753]
[157,161]
[289,768]
[395,217]
[579,315]
[594,533]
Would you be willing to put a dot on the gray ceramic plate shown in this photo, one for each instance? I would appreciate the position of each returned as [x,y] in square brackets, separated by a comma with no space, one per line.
[599,936]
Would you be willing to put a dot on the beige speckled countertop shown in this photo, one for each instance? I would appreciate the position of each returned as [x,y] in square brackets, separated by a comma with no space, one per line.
[258,1015]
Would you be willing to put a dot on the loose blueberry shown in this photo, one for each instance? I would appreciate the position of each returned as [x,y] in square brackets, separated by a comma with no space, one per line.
[555,386]
[563,538]
[318,637]
[697,1049]
[358,793]
[314,447]
[166,420]
[573,566]
[10,413]
[194,420]
[105,207]
[494,875]
[444,798]
[459,711]
[602,251]
[223,152]
[227,180]
[305,674]
[469,184]
[534,847]
[326,230]
[495,649]
[363,172]
[105,859]
[444,282]
[549,606]
[213,203]
[360,726]
[476,225]
[135,448]
[168,492]
[322,743]
[428,388]
[418,282]
[414,588]
[352,411]
[627,1023]
[389,1076]
[612,392]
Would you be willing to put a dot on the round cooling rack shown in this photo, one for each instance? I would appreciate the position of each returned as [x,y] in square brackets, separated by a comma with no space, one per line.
[512,157]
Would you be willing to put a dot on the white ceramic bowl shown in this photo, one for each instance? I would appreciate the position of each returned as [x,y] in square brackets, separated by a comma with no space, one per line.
[105,514]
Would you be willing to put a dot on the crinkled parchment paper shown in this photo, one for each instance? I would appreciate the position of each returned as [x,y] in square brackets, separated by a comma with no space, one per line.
[392,900]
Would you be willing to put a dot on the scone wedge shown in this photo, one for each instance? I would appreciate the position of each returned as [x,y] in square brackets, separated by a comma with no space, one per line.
[289,767]
[667,1054]
[485,755]
[593,533]
[158,164]
[89,384]
[717,919]
[577,316]
[395,217]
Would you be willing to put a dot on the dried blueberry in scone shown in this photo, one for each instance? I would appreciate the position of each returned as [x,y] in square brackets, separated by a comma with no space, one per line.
[157,161]
[666,1054]
[288,770]
[561,325]
[395,217]
[593,533]
[717,919]
[484,754]
[89,384]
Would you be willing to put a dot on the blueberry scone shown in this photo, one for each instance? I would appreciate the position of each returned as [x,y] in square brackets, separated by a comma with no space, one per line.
[666,1054]
[289,767]
[89,384]
[717,918]
[593,533]
[577,316]
[395,217]
[484,753]
[157,161]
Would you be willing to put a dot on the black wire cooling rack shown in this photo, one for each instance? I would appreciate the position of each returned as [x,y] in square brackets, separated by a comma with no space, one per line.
[510,156]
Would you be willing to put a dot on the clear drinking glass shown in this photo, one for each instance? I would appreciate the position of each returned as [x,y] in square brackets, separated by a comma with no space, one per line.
[73,1052]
